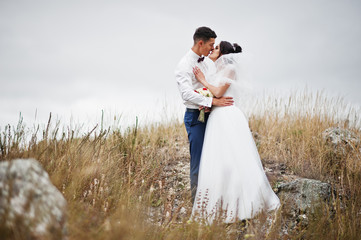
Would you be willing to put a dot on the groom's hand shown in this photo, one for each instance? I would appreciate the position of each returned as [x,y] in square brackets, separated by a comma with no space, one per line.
[223,101]
[206,109]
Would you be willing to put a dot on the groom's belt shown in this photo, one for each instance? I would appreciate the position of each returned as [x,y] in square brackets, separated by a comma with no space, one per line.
[192,110]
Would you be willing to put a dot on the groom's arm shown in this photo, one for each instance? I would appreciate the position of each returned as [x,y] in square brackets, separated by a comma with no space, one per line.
[184,81]
[223,101]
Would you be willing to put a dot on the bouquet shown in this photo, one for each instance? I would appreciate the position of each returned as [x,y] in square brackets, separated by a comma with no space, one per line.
[204,92]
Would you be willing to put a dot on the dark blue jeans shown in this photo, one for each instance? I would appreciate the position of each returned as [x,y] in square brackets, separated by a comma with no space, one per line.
[195,130]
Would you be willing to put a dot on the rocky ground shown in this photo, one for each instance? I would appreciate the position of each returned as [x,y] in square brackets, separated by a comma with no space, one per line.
[298,195]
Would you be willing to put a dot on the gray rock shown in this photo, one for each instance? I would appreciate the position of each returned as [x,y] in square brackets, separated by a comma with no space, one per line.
[340,138]
[29,202]
[303,195]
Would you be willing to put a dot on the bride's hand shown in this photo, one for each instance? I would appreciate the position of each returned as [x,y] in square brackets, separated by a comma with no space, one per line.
[199,75]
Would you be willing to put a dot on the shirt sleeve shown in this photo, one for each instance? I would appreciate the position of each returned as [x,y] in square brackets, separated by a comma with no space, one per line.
[184,81]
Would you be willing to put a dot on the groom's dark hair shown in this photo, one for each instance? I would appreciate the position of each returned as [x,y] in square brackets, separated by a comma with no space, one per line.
[203,33]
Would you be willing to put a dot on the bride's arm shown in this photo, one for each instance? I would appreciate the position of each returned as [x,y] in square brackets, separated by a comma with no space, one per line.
[216,91]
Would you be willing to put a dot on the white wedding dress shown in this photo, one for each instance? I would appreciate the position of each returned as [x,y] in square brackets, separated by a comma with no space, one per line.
[232,184]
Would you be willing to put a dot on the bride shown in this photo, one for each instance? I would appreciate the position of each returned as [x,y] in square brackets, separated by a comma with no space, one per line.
[232,184]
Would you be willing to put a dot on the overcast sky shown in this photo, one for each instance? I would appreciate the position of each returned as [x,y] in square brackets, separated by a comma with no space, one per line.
[75,58]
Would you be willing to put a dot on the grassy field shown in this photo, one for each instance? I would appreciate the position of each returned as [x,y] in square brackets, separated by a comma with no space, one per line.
[112,179]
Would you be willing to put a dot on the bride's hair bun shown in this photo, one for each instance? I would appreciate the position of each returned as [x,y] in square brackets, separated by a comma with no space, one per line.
[227,47]
[237,48]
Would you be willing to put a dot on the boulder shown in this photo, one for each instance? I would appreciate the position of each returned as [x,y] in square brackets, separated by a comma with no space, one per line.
[303,196]
[341,139]
[30,205]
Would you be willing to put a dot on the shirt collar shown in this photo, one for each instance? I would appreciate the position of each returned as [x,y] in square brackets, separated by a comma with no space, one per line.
[193,55]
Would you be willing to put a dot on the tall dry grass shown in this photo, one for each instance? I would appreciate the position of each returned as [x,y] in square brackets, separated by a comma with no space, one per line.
[114,183]
[291,131]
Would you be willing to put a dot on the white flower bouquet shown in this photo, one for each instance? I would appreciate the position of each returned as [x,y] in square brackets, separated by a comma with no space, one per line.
[204,92]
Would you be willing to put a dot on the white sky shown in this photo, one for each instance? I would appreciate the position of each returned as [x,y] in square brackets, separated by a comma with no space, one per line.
[75,58]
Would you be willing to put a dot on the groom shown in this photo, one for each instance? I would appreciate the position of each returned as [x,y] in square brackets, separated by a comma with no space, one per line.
[204,39]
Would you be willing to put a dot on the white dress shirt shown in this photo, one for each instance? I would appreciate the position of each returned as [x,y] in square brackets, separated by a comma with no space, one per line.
[187,82]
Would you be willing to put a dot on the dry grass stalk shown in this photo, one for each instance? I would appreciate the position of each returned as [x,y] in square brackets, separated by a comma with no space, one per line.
[112,179]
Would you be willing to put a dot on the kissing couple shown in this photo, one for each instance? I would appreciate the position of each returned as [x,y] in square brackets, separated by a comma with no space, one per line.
[228,182]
